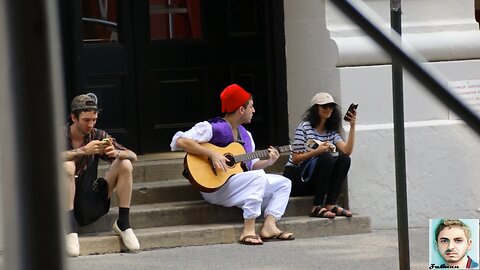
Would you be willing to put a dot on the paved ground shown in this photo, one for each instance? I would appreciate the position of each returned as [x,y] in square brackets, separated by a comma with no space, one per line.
[376,250]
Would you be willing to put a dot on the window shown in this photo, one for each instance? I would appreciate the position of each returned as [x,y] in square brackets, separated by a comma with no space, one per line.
[175,19]
[99,20]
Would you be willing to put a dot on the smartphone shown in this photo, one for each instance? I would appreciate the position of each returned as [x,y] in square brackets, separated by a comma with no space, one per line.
[312,143]
[106,141]
[351,108]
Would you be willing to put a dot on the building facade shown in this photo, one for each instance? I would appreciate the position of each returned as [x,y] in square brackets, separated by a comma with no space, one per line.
[326,52]
[158,66]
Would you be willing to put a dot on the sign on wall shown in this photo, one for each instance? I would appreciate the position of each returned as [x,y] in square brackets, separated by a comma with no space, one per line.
[469,92]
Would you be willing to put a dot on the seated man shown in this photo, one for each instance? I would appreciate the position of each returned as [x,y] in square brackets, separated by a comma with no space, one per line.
[252,190]
[86,145]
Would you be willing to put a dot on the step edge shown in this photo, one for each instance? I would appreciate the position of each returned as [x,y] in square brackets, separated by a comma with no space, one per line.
[222,233]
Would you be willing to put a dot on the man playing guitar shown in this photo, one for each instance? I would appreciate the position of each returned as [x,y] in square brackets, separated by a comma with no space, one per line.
[252,190]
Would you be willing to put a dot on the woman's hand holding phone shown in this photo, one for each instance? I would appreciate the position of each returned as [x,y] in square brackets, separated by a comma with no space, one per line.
[351,109]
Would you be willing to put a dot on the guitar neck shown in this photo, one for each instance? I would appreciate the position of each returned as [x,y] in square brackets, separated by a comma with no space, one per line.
[260,154]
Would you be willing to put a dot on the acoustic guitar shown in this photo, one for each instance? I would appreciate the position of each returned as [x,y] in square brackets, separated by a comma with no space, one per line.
[200,172]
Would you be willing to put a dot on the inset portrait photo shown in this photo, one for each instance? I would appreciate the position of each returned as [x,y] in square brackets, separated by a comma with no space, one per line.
[453,243]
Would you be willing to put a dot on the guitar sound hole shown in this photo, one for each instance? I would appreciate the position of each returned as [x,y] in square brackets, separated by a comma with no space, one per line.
[231,160]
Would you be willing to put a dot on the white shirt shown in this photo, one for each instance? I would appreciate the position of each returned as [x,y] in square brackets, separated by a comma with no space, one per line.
[201,132]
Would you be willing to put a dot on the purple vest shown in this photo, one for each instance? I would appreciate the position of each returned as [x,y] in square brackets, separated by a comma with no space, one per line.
[223,136]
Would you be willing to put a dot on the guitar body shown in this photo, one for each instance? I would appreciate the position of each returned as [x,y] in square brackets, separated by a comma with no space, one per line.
[200,172]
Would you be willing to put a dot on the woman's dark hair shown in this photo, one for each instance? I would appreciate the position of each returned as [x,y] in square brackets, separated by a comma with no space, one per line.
[333,122]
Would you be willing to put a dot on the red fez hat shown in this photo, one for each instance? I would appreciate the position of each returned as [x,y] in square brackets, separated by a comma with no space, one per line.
[232,97]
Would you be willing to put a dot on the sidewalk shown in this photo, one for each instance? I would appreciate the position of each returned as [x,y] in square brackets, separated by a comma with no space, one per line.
[376,250]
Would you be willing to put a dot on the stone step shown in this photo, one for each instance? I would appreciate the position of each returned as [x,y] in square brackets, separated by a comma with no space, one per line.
[169,166]
[185,213]
[162,191]
[220,233]
[168,212]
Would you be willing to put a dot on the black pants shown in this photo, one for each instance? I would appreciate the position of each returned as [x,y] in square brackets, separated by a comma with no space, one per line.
[328,177]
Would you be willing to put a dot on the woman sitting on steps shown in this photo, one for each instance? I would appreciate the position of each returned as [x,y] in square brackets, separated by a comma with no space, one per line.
[317,168]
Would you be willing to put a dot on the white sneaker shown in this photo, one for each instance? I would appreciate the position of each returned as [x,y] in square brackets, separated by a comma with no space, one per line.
[72,245]
[128,237]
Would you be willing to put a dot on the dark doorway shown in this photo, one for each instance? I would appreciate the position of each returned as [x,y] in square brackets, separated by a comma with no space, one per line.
[99,60]
[163,67]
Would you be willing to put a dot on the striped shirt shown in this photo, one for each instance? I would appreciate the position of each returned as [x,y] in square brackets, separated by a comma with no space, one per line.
[305,132]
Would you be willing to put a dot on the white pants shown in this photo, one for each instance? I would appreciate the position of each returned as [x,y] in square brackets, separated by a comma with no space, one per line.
[254,191]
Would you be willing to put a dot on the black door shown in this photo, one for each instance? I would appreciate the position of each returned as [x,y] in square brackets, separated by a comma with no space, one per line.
[158,66]
[188,51]
[99,56]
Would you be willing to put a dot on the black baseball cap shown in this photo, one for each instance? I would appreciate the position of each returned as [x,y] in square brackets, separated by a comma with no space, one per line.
[83,102]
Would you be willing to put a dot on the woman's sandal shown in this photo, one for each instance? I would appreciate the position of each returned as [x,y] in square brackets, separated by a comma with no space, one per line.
[322,212]
[342,213]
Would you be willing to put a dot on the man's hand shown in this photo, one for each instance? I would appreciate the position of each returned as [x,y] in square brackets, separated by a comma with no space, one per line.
[97,147]
[109,149]
[273,155]
[219,161]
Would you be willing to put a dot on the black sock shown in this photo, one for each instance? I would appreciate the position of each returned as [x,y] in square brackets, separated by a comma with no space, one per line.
[123,218]
[72,225]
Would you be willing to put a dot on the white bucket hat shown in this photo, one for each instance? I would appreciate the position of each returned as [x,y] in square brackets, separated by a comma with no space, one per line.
[322,98]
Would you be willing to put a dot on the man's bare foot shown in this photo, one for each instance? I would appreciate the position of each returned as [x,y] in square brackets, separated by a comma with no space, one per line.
[251,239]
[268,233]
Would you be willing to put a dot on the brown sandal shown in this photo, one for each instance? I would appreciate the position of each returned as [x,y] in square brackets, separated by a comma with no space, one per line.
[342,213]
[246,240]
[322,212]
[279,237]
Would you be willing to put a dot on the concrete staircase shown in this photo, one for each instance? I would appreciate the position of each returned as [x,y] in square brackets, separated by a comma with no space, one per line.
[168,212]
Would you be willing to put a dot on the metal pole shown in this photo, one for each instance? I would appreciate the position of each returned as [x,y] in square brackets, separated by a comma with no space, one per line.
[399,139]
[32,92]
[406,57]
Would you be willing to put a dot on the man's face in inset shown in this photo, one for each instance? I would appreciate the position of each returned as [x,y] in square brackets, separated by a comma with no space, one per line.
[452,244]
